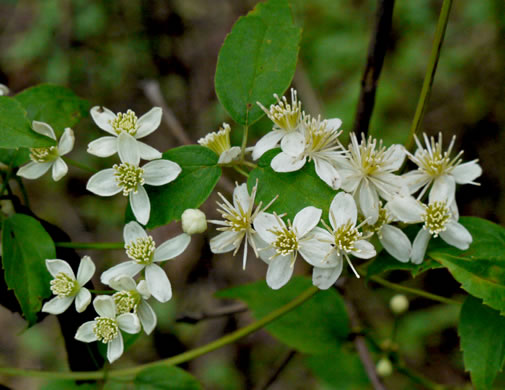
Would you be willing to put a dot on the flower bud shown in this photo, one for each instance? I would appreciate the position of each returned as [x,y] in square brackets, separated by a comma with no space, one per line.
[399,304]
[384,367]
[193,221]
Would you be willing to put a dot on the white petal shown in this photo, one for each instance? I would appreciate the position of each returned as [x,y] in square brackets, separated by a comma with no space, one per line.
[293,143]
[364,250]
[172,248]
[130,268]
[414,180]
[324,278]
[159,172]
[66,143]
[267,142]
[60,169]
[369,202]
[103,147]
[224,242]
[85,271]
[129,322]
[317,253]
[467,172]
[405,209]
[394,157]
[115,348]
[342,210]
[143,290]
[229,155]
[82,300]
[55,266]
[149,122]
[44,129]
[103,118]
[148,152]
[306,220]
[333,124]
[443,190]
[158,283]
[350,180]
[103,183]
[396,243]
[419,246]
[57,305]
[279,272]
[128,149]
[123,283]
[85,332]
[4,91]
[456,235]
[147,316]
[241,197]
[132,231]
[283,162]
[105,306]
[328,173]
[140,205]
[34,170]
[264,223]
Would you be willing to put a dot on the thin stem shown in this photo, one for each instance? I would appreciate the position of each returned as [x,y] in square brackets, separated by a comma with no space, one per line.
[249,164]
[24,193]
[91,245]
[175,360]
[244,142]
[430,71]
[277,371]
[427,383]
[79,165]
[8,175]
[415,291]
[241,171]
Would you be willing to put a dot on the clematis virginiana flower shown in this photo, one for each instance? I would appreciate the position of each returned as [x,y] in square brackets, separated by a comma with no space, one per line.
[437,167]
[367,172]
[144,255]
[440,217]
[285,242]
[129,178]
[133,297]
[106,328]
[344,239]
[49,157]
[67,287]
[319,142]
[219,142]
[121,123]
[287,119]
[4,91]
[237,223]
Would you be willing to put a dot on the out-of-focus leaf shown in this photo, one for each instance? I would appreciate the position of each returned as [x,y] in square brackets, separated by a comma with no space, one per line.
[165,378]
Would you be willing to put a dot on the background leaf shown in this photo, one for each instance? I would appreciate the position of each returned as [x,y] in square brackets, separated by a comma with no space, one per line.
[26,246]
[317,326]
[165,378]
[257,59]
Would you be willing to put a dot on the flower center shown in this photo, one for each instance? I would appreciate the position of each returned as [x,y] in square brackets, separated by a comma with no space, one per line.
[345,237]
[125,123]
[433,160]
[383,219]
[129,177]
[141,250]
[44,155]
[63,285]
[126,301]
[318,137]
[218,142]
[436,217]
[105,329]
[286,116]
[286,241]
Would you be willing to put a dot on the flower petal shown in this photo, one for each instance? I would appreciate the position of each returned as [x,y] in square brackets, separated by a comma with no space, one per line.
[456,235]
[318,253]
[67,141]
[306,220]
[103,147]
[34,170]
[466,173]
[241,197]
[123,283]
[267,142]
[140,205]
[405,209]
[158,283]
[293,143]
[85,271]
[60,169]
[44,129]
[147,152]
[229,155]
[324,278]
[396,243]
[115,348]
[369,202]
[149,122]
[103,183]
[394,157]
[333,124]
[364,249]
[82,300]
[342,210]
[225,242]
[147,316]
[132,231]
[128,149]
[57,305]
[264,223]
[159,172]
[105,306]
[419,246]
[103,118]
[129,322]
[283,162]
[129,268]
[55,266]
[443,190]
[415,180]
[172,248]
[279,272]
[85,332]
[327,173]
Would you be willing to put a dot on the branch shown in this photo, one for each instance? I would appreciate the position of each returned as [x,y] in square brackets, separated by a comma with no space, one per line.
[221,312]
[275,374]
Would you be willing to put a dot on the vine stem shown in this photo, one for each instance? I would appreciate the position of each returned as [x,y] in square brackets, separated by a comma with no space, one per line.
[90,245]
[175,360]
[244,142]
[79,165]
[430,71]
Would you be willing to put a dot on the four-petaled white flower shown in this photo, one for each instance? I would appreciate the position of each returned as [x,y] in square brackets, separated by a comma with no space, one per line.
[141,248]
[67,287]
[133,297]
[45,158]
[129,178]
[124,123]
[219,142]
[437,167]
[4,91]
[107,327]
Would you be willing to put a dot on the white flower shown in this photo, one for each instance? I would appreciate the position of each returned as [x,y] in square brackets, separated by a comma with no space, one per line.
[67,287]
[141,248]
[106,328]
[219,142]
[319,142]
[132,297]
[124,123]
[367,173]
[129,178]
[287,119]
[193,221]
[284,243]
[439,217]
[437,167]
[4,91]
[237,224]
[45,158]
[344,238]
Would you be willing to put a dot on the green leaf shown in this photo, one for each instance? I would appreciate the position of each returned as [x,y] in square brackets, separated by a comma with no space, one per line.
[58,106]
[165,378]
[15,128]
[26,246]
[385,262]
[317,326]
[296,190]
[481,268]
[20,156]
[64,384]
[192,187]
[257,59]
[482,333]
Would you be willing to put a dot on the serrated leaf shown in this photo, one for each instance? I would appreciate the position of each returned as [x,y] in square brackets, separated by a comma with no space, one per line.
[53,104]
[257,59]
[165,378]
[26,246]
[296,190]
[15,128]
[482,333]
[317,326]
[192,187]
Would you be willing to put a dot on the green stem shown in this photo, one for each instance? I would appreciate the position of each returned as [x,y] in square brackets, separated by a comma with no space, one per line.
[178,359]
[430,71]
[427,383]
[415,291]
[8,175]
[249,164]
[244,142]
[24,193]
[79,165]
[241,171]
[91,245]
